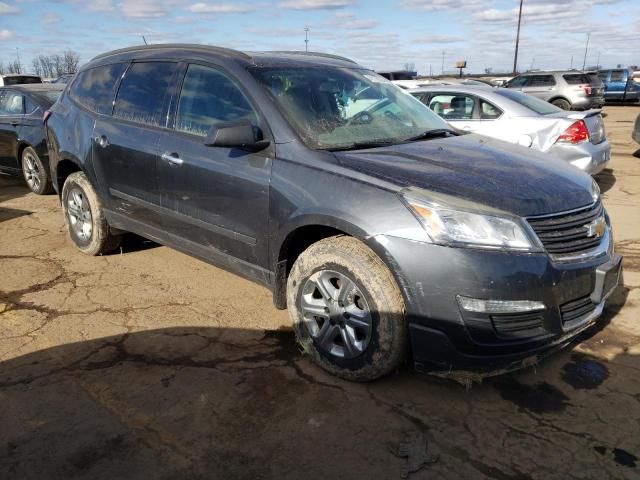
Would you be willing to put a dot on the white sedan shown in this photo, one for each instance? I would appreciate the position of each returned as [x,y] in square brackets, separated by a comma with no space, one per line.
[576,137]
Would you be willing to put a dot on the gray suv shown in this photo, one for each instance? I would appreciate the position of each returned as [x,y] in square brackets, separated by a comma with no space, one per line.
[384,232]
[569,90]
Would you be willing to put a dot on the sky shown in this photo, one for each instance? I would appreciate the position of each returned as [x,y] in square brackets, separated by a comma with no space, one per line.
[380,34]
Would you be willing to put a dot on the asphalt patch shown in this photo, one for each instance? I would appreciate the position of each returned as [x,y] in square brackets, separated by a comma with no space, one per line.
[584,373]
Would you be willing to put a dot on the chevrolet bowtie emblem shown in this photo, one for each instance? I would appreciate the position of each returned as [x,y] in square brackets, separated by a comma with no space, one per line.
[596,228]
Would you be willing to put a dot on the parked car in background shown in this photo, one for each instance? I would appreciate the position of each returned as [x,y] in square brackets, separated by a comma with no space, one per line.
[619,85]
[64,78]
[575,137]
[568,90]
[636,130]
[23,148]
[18,79]
[376,228]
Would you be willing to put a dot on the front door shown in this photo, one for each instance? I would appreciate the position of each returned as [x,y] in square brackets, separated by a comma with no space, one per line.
[11,117]
[217,198]
[125,145]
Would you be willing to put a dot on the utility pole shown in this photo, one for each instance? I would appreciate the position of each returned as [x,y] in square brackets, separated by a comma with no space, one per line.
[571,67]
[144,40]
[430,71]
[598,61]
[306,39]
[442,62]
[515,56]
[18,58]
[586,49]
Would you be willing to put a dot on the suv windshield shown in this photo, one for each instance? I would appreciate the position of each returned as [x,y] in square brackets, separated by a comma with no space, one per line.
[532,103]
[334,108]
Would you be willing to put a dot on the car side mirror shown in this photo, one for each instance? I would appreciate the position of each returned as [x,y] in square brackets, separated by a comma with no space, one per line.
[239,134]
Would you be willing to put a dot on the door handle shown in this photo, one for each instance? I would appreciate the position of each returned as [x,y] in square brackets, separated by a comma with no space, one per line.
[101,140]
[172,158]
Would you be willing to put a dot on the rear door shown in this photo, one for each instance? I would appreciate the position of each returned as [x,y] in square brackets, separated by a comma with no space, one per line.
[541,86]
[456,108]
[215,197]
[125,145]
[617,84]
[11,117]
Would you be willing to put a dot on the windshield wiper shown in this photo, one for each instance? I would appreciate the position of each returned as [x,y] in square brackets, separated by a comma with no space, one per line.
[435,133]
[363,145]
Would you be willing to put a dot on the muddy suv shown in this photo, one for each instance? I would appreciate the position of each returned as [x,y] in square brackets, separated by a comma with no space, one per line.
[385,233]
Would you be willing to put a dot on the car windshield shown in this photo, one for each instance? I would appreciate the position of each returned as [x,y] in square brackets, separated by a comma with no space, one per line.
[341,108]
[532,103]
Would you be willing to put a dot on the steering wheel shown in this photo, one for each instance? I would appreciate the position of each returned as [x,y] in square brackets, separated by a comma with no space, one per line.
[360,118]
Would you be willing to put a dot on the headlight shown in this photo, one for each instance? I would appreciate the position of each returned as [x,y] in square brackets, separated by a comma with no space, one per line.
[595,190]
[448,226]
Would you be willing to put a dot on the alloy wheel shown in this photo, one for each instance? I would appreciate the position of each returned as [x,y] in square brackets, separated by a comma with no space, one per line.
[79,214]
[31,171]
[336,314]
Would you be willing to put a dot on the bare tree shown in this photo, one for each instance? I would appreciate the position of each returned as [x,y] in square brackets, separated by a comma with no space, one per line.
[14,67]
[37,68]
[46,66]
[1,68]
[58,65]
[71,60]
[409,66]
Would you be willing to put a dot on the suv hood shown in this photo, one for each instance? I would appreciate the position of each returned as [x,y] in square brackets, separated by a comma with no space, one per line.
[486,171]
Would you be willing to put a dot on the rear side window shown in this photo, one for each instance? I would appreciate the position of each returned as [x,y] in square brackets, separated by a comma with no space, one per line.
[11,103]
[95,88]
[517,82]
[617,75]
[576,78]
[142,93]
[29,106]
[489,111]
[208,97]
[541,81]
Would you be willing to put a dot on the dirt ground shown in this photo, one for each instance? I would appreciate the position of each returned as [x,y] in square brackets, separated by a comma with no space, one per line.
[151,364]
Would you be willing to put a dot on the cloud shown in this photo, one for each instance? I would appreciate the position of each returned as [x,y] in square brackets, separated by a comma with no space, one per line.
[6,9]
[219,8]
[315,4]
[349,21]
[50,18]
[5,34]
[433,5]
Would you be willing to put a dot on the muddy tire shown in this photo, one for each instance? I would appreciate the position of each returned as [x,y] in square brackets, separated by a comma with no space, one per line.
[35,173]
[562,103]
[347,309]
[84,217]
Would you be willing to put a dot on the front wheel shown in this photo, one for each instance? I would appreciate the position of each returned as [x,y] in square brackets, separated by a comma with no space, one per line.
[347,309]
[34,172]
[84,217]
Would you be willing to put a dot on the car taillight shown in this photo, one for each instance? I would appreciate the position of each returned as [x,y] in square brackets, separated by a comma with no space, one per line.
[46,116]
[586,88]
[576,133]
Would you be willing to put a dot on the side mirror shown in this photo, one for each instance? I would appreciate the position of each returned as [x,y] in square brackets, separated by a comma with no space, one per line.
[240,134]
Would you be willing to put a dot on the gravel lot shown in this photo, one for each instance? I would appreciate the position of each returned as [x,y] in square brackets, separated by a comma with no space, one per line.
[151,364]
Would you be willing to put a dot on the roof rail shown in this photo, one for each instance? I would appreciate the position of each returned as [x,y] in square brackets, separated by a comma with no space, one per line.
[225,51]
[312,54]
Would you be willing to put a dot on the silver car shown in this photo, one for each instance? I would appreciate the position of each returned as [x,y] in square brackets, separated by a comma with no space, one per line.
[575,137]
[568,90]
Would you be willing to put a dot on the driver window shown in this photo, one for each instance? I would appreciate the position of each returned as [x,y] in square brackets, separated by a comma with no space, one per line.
[452,106]
[208,97]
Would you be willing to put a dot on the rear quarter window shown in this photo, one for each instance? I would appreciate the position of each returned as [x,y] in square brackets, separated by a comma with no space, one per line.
[95,88]
[576,78]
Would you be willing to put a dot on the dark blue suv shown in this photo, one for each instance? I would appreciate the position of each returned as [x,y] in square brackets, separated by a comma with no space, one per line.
[383,231]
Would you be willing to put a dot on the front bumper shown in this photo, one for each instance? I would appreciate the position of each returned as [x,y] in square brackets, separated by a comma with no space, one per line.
[446,339]
[588,157]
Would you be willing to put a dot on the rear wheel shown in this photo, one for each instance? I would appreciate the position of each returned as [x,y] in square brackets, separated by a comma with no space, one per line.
[84,217]
[347,309]
[34,172]
[562,103]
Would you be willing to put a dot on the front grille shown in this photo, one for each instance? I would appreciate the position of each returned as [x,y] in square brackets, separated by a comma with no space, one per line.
[576,309]
[564,233]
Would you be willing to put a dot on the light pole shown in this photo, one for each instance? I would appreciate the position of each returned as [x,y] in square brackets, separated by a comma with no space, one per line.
[442,62]
[515,56]
[306,39]
[586,49]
